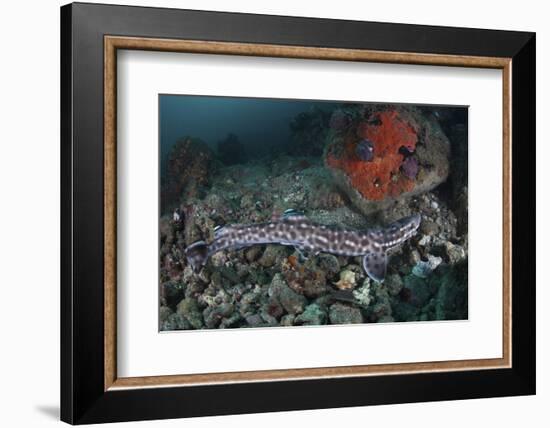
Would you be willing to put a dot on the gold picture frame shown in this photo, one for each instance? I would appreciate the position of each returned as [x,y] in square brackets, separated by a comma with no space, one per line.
[114,43]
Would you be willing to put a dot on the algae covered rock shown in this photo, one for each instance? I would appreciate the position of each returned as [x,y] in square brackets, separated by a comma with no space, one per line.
[292,302]
[451,301]
[305,278]
[189,309]
[271,255]
[340,313]
[312,315]
[213,315]
[187,169]
[409,155]
[416,290]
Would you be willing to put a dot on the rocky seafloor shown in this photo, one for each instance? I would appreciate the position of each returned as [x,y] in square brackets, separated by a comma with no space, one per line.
[273,285]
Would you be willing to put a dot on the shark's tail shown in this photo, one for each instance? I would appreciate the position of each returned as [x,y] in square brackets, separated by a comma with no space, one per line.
[197,254]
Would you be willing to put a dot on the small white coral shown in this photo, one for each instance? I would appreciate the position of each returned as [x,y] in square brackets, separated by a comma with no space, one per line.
[425,240]
[362,294]
[347,280]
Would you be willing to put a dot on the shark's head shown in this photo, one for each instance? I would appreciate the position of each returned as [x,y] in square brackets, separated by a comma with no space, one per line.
[401,230]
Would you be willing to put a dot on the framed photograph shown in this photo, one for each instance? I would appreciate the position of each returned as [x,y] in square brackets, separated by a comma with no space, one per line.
[266,213]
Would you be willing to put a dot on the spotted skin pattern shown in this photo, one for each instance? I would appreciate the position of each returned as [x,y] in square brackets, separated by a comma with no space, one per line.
[306,236]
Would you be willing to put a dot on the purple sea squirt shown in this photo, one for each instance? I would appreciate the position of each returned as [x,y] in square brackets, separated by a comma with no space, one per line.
[410,167]
[365,150]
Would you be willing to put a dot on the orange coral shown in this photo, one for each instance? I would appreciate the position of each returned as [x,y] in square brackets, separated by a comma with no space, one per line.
[380,177]
[293,260]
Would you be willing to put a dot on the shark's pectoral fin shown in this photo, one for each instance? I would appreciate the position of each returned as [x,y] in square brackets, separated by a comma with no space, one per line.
[303,253]
[375,265]
[197,254]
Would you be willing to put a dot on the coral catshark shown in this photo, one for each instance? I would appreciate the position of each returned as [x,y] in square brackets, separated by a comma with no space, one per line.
[295,230]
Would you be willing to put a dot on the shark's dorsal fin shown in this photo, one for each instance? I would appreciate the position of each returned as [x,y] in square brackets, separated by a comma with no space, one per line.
[375,265]
[293,215]
[220,230]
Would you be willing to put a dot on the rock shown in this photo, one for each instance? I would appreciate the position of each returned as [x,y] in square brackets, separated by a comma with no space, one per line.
[214,314]
[173,292]
[194,288]
[204,276]
[287,320]
[249,302]
[316,285]
[258,276]
[291,301]
[402,138]
[307,278]
[386,318]
[423,269]
[218,259]
[394,284]
[232,321]
[228,273]
[428,227]
[272,308]
[423,317]
[340,313]
[189,309]
[271,254]
[164,313]
[255,320]
[312,315]
[380,305]
[451,300]
[416,291]
[247,201]
[270,321]
[252,253]
[216,279]
[175,322]
[403,311]
[425,240]
[324,301]
[328,263]
[241,269]
[277,284]
[414,257]
[455,253]
[380,310]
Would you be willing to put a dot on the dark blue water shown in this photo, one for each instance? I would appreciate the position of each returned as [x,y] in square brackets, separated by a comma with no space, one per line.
[260,124]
